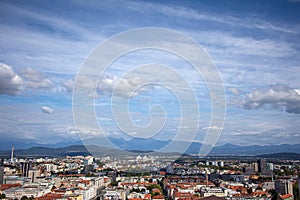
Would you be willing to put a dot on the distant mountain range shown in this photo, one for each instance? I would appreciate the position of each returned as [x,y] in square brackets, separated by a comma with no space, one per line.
[226,149]
[139,145]
[6,144]
[77,150]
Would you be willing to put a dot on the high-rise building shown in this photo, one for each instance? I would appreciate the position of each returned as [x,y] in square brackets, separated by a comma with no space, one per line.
[88,169]
[1,171]
[270,166]
[25,166]
[262,165]
[255,167]
[33,174]
[299,184]
[284,187]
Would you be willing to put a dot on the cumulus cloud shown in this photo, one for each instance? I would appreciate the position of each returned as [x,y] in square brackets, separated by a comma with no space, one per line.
[278,97]
[125,87]
[35,79]
[234,91]
[47,110]
[68,85]
[10,82]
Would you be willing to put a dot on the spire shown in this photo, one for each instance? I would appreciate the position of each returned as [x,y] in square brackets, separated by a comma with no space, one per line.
[12,154]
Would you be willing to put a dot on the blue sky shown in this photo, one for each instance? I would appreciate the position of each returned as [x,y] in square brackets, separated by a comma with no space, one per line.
[254,45]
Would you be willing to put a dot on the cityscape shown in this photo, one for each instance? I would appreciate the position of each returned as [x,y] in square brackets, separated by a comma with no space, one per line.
[143,176]
[149,100]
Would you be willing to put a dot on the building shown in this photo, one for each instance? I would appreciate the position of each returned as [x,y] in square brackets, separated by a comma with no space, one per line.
[255,167]
[114,194]
[298,185]
[233,177]
[262,165]
[249,170]
[33,174]
[213,197]
[1,171]
[50,167]
[285,197]
[270,166]
[284,187]
[269,185]
[25,166]
[89,160]
[205,192]
[88,169]
[34,190]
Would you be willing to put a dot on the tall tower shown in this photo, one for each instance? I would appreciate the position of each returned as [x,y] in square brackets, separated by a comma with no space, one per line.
[1,171]
[262,165]
[206,178]
[25,166]
[12,154]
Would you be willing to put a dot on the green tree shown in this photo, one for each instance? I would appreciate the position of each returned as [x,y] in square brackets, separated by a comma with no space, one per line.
[296,191]
[2,196]
[156,193]
[274,194]
[137,190]
[114,183]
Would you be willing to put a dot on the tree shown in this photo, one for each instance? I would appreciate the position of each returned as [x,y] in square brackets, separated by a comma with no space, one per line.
[259,188]
[156,193]
[274,194]
[24,198]
[114,183]
[296,191]
[2,196]
[249,190]
[143,190]
[137,190]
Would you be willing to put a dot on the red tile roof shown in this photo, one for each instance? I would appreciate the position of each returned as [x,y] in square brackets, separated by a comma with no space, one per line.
[50,196]
[7,186]
[85,181]
[183,194]
[285,196]
[158,197]
[213,197]
[147,196]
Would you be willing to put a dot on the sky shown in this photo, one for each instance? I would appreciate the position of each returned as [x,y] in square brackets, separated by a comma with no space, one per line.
[254,46]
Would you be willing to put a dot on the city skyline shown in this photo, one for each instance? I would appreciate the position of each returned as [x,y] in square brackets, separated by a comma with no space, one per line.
[253,44]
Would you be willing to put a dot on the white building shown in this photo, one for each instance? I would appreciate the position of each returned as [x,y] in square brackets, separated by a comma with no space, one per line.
[29,190]
[205,192]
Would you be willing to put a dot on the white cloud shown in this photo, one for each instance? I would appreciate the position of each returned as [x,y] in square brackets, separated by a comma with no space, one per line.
[120,86]
[278,97]
[200,15]
[47,110]
[35,79]
[212,128]
[234,91]
[225,43]
[68,84]
[10,82]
